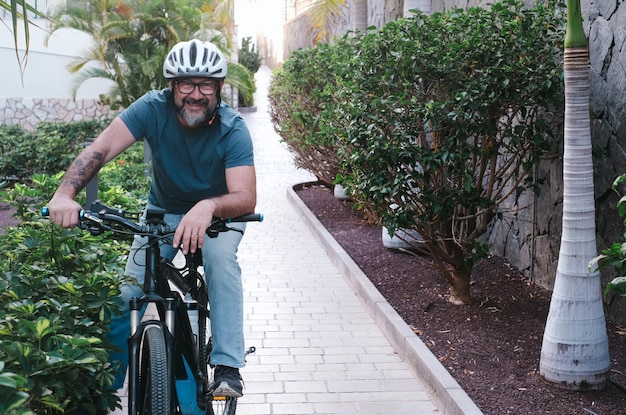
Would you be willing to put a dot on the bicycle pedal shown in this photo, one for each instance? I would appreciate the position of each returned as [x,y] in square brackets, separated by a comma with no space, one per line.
[224,391]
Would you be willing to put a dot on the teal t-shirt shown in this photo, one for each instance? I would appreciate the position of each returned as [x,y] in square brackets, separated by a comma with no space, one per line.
[187,165]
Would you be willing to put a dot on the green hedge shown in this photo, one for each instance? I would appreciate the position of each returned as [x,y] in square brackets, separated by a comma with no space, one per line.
[300,93]
[431,121]
[58,291]
[49,149]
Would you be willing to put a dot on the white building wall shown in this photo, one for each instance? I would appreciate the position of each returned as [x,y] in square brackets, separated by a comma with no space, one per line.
[42,92]
[45,73]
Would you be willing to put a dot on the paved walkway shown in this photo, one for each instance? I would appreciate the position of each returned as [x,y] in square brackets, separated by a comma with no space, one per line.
[309,313]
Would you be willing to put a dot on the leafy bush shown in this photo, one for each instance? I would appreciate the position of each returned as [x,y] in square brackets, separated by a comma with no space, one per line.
[614,257]
[435,119]
[445,117]
[58,291]
[49,149]
[300,92]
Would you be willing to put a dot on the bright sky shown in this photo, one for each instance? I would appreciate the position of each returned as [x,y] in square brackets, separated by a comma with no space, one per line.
[260,18]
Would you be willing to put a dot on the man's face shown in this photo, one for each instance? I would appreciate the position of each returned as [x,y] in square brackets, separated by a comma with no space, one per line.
[195,99]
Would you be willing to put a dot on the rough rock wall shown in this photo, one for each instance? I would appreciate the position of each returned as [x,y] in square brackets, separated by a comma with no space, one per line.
[28,112]
[380,12]
[297,31]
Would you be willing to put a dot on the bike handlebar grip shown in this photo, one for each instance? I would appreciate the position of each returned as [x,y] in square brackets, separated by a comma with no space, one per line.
[251,217]
[45,212]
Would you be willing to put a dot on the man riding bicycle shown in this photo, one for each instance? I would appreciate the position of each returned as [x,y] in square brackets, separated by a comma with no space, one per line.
[202,166]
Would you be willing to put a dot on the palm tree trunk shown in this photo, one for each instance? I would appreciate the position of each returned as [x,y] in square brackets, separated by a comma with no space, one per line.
[575,353]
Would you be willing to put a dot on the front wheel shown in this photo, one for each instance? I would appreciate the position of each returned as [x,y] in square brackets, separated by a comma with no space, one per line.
[154,381]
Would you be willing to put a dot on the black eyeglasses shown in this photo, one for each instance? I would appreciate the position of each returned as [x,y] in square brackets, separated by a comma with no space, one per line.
[187,87]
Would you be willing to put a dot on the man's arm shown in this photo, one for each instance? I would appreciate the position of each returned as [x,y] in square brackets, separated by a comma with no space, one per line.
[111,142]
[240,199]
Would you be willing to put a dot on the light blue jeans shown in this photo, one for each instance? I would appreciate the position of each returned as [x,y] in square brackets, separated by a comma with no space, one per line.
[223,278]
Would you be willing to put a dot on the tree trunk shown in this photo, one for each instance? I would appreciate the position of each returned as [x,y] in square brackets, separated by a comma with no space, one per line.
[574,353]
[460,286]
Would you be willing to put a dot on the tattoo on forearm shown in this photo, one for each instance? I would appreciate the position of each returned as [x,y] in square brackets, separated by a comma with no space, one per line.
[82,170]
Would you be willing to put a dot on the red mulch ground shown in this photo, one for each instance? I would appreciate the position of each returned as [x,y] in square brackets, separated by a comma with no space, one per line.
[492,346]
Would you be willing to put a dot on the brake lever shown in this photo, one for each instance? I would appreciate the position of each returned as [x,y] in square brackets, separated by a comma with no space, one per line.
[218,226]
[92,223]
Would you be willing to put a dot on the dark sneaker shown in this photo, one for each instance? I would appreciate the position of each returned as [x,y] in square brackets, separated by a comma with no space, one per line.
[227,382]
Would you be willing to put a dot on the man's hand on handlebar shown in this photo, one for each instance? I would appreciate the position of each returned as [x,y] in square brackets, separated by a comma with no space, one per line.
[190,232]
[64,211]
[192,228]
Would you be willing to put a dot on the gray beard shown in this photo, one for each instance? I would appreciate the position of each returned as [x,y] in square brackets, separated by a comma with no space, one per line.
[194,120]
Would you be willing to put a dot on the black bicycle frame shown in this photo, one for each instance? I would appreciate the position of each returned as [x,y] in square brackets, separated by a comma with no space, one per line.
[174,323]
[165,306]
[173,316]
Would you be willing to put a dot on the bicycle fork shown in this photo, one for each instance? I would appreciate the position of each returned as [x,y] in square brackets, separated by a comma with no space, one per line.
[137,329]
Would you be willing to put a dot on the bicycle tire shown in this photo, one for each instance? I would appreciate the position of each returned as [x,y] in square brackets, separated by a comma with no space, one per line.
[154,381]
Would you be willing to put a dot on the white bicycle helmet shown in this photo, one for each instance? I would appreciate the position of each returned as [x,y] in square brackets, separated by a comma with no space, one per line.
[195,58]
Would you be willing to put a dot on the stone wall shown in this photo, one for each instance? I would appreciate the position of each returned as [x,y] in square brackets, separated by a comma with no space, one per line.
[28,112]
[359,15]
[380,12]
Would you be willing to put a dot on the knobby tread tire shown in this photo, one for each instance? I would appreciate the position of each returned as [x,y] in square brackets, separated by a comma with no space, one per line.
[157,399]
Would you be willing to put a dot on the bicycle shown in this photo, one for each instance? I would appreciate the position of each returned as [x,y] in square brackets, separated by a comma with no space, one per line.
[169,372]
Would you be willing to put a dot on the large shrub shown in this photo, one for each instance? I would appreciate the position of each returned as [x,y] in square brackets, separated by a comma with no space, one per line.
[58,291]
[432,121]
[445,117]
[300,92]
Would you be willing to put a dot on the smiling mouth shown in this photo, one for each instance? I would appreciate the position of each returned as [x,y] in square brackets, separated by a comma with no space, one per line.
[196,104]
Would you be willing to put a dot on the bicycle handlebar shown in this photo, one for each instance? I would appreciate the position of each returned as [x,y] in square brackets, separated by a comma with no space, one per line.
[100,218]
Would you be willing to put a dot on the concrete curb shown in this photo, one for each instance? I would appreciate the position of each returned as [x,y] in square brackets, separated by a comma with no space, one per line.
[447,394]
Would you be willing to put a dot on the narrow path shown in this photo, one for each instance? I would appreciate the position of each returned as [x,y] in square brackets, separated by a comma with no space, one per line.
[318,349]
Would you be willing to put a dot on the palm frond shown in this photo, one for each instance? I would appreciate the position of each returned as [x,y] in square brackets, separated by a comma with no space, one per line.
[241,78]
[326,16]
[86,74]
[19,10]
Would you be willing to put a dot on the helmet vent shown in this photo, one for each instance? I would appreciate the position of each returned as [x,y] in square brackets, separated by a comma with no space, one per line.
[193,53]
[216,59]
